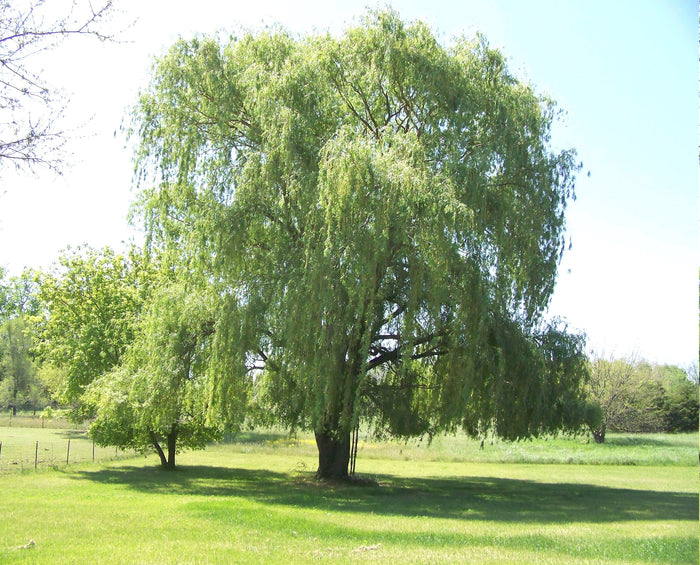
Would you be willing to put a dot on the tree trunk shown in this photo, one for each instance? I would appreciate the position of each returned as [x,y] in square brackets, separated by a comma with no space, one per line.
[159,451]
[354,440]
[599,434]
[14,399]
[171,439]
[333,454]
[172,443]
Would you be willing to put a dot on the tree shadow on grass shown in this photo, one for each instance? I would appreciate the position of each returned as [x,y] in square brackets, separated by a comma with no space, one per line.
[470,498]
[73,434]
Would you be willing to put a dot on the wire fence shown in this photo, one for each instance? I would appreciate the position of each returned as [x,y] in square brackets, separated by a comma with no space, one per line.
[23,449]
[29,419]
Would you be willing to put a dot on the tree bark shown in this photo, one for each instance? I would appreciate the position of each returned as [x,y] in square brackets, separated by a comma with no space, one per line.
[172,443]
[333,454]
[159,451]
[167,462]
[354,439]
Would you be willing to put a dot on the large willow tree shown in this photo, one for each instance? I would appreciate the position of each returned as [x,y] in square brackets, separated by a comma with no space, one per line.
[387,215]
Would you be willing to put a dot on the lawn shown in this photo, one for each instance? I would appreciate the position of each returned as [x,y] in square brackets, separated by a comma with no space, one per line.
[254,500]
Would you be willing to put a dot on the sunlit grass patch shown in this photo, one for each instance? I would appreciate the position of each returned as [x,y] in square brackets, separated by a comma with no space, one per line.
[254,502]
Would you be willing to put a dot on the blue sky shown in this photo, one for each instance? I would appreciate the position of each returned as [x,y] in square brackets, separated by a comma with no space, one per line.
[625,72]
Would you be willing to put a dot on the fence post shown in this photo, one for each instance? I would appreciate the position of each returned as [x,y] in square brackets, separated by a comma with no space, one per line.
[68,452]
[36,455]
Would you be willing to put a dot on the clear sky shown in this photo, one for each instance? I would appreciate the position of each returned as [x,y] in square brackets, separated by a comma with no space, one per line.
[625,72]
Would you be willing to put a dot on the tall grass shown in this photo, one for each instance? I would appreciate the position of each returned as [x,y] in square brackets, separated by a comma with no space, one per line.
[35,419]
[618,449]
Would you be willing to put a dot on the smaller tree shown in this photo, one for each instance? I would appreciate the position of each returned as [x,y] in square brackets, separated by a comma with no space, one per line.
[91,303]
[636,396]
[614,386]
[158,398]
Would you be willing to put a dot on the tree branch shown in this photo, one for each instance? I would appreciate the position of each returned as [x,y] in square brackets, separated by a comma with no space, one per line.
[394,354]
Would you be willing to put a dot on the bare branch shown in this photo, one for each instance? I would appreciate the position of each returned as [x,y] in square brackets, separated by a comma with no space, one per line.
[29,134]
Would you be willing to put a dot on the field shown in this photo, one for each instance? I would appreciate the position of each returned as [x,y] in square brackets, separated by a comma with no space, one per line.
[28,442]
[254,500]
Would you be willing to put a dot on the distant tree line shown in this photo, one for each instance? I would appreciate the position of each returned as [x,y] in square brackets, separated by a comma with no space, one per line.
[638,396]
[21,385]
[118,341]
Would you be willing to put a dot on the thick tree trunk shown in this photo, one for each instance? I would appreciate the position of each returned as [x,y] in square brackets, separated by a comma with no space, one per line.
[333,454]
[167,462]
[172,443]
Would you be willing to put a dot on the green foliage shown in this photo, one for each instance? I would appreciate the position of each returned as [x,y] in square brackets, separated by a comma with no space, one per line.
[47,413]
[160,393]
[132,350]
[681,403]
[18,296]
[19,384]
[91,303]
[17,370]
[637,396]
[388,215]
[53,380]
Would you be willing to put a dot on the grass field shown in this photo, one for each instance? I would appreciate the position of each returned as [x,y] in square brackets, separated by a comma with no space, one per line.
[26,448]
[255,501]
[29,419]
[618,449]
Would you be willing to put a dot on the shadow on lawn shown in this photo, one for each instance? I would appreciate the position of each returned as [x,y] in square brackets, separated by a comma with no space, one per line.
[74,434]
[471,498]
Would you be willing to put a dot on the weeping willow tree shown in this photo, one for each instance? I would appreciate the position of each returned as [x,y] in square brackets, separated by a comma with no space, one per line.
[156,399]
[388,216]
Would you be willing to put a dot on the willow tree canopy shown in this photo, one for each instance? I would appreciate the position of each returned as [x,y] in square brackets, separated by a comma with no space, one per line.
[387,216]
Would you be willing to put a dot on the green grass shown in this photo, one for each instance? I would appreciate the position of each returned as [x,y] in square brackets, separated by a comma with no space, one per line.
[255,501]
[21,447]
[33,419]
[618,449]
